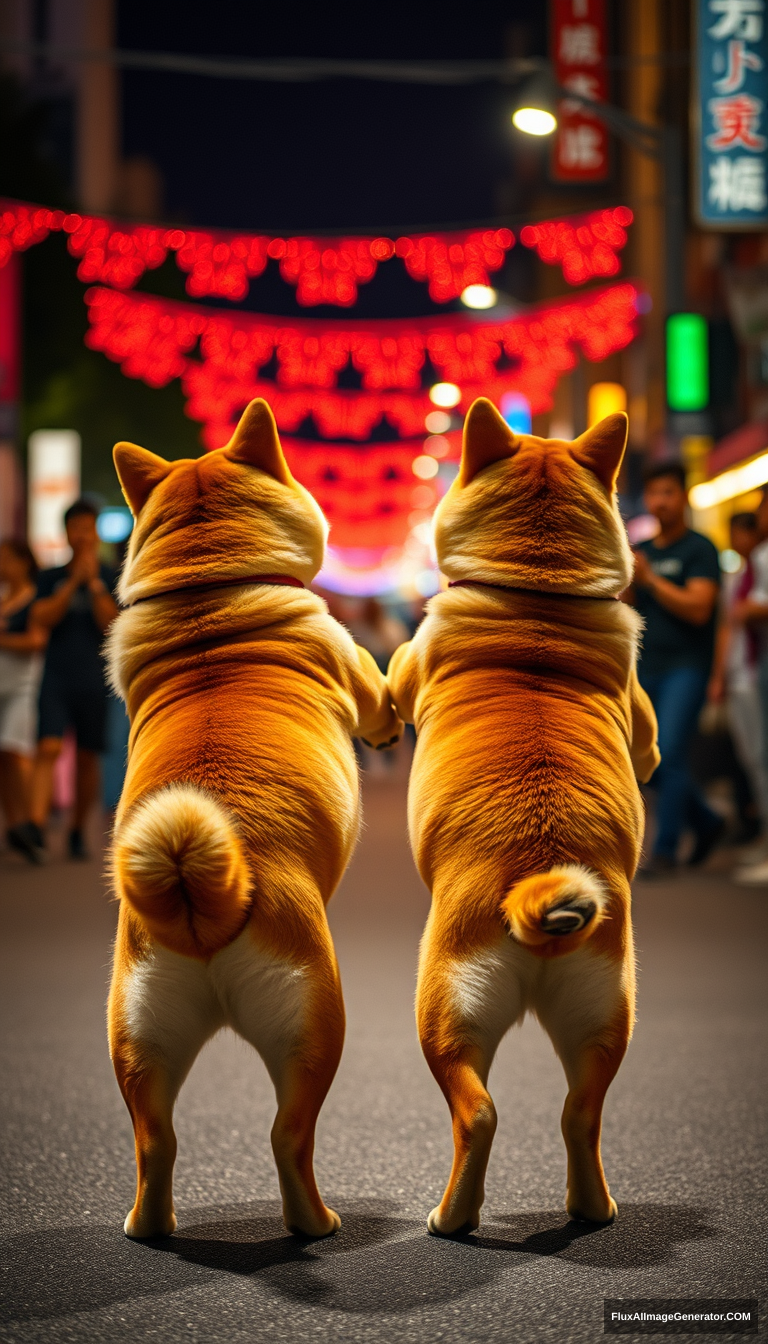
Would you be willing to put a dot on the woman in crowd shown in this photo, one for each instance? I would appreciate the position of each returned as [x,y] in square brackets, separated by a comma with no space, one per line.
[21,648]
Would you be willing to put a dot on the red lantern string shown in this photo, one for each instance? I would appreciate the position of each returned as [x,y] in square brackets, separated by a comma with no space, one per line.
[153,338]
[452,261]
[367,494]
[585,246]
[220,264]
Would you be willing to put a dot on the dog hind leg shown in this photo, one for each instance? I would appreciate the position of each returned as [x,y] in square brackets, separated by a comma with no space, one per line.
[162,1012]
[586,1007]
[464,1007]
[294,1017]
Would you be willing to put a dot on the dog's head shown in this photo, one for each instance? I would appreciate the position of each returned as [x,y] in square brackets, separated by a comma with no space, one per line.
[227,515]
[536,513]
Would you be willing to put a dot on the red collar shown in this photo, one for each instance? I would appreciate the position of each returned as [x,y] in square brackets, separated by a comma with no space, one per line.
[279,580]
[534,592]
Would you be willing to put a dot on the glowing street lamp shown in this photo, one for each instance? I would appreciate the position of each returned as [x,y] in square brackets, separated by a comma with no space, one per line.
[534,121]
[535,113]
[445,395]
[479,296]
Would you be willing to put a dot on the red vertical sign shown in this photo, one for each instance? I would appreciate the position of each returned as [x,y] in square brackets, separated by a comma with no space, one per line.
[579,42]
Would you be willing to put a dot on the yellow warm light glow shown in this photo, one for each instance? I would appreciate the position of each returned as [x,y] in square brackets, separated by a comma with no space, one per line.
[534,121]
[729,484]
[445,395]
[424,467]
[478,296]
[605,399]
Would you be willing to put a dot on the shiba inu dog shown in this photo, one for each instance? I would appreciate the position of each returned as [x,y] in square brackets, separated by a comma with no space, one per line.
[240,805]
[524,811]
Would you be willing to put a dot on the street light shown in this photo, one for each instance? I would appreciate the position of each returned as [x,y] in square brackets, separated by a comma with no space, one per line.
[536,102]
[534,121]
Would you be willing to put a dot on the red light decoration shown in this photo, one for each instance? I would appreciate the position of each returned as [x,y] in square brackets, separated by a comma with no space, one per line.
[324,270]
[366,494]
[153,339]
[585,246]
[451,261]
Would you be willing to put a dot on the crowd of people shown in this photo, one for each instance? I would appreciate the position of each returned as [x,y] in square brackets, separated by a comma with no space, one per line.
[705,641]
[53,680]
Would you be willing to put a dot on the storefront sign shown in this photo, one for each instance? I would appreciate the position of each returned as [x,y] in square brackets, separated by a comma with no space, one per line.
[579,40]
[730,122]
[53,471]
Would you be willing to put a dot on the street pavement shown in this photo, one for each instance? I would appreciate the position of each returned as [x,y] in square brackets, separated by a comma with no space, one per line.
[684,1138]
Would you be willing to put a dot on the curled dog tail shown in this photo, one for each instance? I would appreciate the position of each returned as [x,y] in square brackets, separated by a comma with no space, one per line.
[566,904]
[179,864]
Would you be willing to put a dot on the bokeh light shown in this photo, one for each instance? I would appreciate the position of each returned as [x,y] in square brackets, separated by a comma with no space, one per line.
[479,296]
[445,394]
[437,422]
[425,467]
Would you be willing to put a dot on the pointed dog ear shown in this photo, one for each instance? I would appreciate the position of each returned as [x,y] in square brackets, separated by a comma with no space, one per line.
[138,471]
[487,439]
[255,442]
[602,448]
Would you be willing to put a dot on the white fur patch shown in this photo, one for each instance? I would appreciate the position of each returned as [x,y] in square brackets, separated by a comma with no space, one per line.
[575,997]
[490,990]
[174,1004]
[263,998]
[578,997]
[171,1008]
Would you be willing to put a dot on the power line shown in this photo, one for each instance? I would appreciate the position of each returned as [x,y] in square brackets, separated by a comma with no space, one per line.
[296,70]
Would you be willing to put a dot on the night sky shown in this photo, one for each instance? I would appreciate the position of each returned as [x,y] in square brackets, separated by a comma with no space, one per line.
[331,155]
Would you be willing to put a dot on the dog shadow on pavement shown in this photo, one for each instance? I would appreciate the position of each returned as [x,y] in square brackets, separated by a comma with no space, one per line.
[380,1261]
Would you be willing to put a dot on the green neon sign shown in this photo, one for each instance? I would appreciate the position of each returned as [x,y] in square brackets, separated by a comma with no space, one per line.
[687,362]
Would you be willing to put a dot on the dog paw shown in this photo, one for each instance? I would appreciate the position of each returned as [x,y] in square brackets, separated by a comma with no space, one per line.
[599,1214]
[440,1226]
[142,1227]
[316,1227]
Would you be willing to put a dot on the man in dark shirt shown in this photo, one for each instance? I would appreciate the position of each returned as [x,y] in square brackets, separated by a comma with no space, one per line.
[677,576]
[75,604]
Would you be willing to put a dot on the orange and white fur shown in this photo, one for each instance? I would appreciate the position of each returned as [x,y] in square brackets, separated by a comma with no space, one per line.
[525,815]
[240,806]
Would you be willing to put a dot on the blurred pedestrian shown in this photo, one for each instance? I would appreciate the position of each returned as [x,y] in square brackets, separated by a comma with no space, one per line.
[675,590]
[734,677]
[21,663]
[751,613]
[75,604]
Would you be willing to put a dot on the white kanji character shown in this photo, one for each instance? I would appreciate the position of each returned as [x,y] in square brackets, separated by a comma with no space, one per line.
[740,18]
[579,44]
[739,60]
[738,184]
[580,9]
[581,147]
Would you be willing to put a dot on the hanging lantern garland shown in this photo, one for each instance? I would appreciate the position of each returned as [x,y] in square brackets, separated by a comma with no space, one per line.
[378,496]
[153,339]
[324,270]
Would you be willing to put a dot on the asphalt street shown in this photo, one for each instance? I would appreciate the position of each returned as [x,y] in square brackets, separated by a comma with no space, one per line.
[684,1139]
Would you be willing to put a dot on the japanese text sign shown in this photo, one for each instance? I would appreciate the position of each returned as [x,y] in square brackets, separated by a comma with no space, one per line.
[580,152]
[730,118]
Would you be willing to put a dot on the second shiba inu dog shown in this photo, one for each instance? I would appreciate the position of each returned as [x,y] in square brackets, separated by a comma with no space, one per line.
[240,806]
[524,811]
